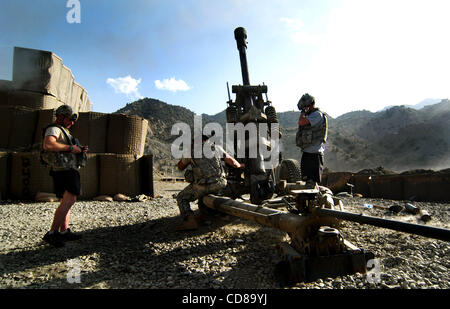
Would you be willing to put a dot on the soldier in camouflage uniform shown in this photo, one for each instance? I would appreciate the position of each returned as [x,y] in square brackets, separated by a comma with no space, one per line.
[208,177]
[60,153]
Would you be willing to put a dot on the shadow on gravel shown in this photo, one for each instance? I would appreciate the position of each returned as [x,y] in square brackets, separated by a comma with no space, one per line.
[126,257]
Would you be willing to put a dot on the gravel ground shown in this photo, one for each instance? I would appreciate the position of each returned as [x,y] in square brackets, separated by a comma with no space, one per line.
[134,245]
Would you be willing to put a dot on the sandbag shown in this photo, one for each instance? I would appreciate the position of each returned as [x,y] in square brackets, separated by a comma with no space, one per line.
[28,176]
[126,134]
[36,70]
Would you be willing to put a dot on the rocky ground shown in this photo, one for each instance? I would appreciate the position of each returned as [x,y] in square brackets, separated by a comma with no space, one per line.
[134,245]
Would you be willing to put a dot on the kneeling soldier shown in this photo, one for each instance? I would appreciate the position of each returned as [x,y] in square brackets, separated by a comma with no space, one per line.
[208,177]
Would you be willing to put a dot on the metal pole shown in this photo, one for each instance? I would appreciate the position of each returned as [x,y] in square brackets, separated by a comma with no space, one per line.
[423,230]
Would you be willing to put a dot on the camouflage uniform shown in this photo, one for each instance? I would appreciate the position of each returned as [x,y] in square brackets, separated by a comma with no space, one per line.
[209,177]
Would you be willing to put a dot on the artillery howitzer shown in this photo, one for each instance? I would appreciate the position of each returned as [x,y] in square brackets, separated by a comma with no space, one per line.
[251,108]
[317,248]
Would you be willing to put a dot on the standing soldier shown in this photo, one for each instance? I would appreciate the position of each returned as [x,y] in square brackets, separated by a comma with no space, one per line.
[62,153]
[311,137]
[208,176]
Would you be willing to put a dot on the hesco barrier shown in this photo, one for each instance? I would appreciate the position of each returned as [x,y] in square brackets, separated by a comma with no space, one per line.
[36,70]
[89,177]
[146,171]
[432,187]
[42,81]
[4,174]
[17,127]
[44,118]
[28,176]
[91,129]
[22,175]
[22,127]
[33,100]
[126,134]
[5,88]
[119,173]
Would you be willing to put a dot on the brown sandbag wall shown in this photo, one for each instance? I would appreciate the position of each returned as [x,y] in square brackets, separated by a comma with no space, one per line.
[146,174]
[91,129]
[22,175]
[42,81]
[28,176]
[431,187]
[4,174]
[119,173]
[126,134]
[17,125]
[22,128]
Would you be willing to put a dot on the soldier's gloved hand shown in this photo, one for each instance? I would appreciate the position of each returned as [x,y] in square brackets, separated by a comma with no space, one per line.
[75,149]
[85,149]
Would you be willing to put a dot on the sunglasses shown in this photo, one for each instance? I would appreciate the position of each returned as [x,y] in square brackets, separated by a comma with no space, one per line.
[73,118]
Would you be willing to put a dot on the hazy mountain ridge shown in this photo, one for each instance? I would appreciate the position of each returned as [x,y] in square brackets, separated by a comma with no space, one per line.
[399,138]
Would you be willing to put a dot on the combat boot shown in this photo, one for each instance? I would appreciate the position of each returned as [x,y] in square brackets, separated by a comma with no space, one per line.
[189,224]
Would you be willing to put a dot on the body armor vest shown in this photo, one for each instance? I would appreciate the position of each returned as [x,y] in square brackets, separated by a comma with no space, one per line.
[62,160]
[308,135]
[207,170]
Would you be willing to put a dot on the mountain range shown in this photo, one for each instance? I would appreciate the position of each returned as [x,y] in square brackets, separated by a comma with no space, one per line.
[399,138]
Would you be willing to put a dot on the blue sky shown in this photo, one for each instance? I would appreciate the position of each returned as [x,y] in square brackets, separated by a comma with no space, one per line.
[349,54]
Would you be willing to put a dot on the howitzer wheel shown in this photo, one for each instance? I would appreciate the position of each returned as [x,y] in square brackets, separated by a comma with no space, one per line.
[271,114]
[290,171]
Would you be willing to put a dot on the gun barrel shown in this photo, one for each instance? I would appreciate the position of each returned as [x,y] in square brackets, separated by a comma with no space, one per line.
[265,216]
[423,230]
[240,34]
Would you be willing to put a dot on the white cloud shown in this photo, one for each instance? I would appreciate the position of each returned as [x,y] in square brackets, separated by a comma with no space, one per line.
[126,85]
[298,35]
[172,85]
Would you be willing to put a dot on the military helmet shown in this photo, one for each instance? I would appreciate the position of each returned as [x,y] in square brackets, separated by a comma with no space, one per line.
[305,100]
[67,111]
